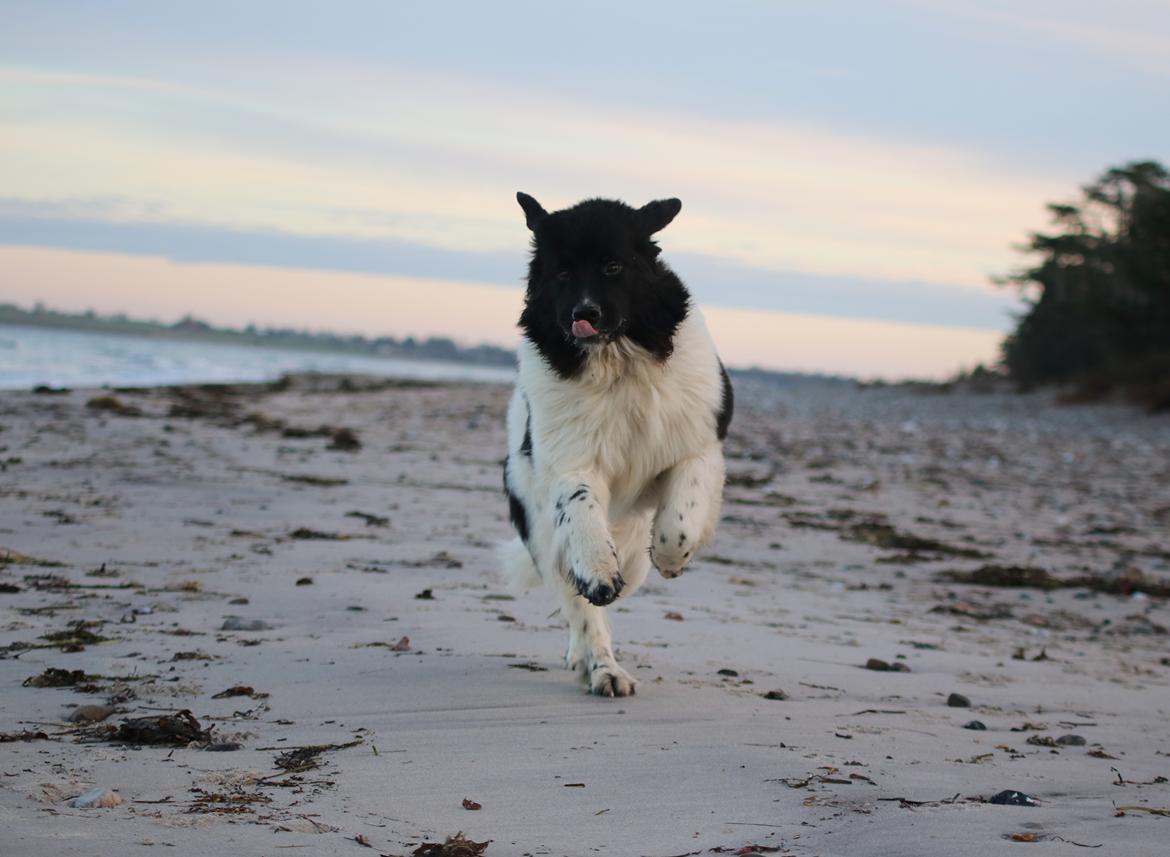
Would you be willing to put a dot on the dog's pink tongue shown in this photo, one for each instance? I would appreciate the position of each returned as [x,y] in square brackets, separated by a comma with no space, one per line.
[583,329]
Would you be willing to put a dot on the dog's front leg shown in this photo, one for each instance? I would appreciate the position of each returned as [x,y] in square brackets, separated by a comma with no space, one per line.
[590,650]
[688,510]
[585,547]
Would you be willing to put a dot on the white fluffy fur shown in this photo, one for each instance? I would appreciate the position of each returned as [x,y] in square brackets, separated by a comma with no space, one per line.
[640,436]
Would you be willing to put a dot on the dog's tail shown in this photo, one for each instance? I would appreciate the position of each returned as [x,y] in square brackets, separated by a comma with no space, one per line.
[516,565]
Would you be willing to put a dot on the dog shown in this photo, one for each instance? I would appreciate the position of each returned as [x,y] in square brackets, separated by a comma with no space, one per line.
[616,423]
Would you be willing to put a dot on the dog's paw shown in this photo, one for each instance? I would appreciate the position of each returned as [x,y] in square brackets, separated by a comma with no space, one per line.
[608,679]
[597,590]
[670,555]
[594,571]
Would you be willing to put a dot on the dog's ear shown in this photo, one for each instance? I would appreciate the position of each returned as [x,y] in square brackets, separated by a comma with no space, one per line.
[533,213]
[656,215]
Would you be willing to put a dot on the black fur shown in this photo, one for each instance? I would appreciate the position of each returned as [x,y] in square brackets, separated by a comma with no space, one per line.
[574,252]
[723,418]
[526,444]
[516,510]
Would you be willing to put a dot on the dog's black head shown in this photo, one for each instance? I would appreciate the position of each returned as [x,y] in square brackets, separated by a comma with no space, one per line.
[595,277]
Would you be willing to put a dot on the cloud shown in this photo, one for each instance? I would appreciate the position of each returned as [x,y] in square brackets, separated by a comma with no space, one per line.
[712,280]
[397,154]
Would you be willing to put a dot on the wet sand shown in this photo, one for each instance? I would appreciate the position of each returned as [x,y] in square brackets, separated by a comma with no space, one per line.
[851,518]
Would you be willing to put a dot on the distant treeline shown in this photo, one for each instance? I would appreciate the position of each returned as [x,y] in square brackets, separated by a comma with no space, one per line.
[1098,317]
[190,328]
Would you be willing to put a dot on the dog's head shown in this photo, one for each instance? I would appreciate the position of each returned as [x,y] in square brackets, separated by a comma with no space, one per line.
[595,277]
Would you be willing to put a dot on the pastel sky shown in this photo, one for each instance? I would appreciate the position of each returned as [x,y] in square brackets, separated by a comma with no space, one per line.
[852,173]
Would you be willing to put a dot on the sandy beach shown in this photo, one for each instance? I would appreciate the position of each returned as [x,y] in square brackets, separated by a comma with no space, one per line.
[307,568]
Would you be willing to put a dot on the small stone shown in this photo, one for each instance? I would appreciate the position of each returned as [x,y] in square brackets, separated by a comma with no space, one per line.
[305,581]
[99,797]
[778,695]
[975,724]
[726,672]
[90,713]
[1010,797]
[957,700]
[879,665]
[235,623]
[1071,741]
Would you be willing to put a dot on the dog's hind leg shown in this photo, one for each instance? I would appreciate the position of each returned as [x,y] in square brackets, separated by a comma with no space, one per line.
[590,649]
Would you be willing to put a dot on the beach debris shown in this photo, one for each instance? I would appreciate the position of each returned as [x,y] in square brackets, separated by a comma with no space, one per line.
[1042,740]
[1125,582]
[371,520]
[777,695]
[97,798]
[879,665]
[113,405]
[308,479]
[977,725]
[442,559]
[9,589]
[1010,797]
[472,805]
[11,557]
[309,534]
[425,595]
[76,636]
[239,690]
[300,759]
[235,802]
[883,535]
[345,440]
[178,729]
[530,666]
[191,656]
[90,713]
[971,610]
[236,623]
[957,700]
[1024,837]
[362,839]
[403,645]
[1152,810]
[13,737]
[673,616]
[55,677]
[454,846]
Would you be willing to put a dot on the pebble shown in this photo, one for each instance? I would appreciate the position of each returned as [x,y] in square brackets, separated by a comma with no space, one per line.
[90,713]
[957,700]
[975,724]
[1013,798]
[99,797]
[776,694]
[235,623]
[884,666]
[1071,741]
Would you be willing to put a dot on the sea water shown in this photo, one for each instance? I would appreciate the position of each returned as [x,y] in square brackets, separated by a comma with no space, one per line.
[30,356]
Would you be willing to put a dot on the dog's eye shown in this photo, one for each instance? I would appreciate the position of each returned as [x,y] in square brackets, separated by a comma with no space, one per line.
[612,269]
[562,276]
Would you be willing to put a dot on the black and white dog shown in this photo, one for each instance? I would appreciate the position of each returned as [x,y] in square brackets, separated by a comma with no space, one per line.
[614,457]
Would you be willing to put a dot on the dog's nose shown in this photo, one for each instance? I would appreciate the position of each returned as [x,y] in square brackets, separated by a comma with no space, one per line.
[587,311]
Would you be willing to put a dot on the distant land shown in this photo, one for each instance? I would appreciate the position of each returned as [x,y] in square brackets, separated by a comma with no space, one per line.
[191,329]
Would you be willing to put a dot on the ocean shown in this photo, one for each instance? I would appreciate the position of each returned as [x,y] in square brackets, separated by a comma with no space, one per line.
[65,358]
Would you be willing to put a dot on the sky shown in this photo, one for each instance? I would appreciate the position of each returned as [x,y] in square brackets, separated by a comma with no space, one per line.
[853,174]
